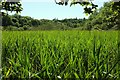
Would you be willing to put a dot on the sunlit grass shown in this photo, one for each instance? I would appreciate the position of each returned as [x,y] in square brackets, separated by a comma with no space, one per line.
[60,54]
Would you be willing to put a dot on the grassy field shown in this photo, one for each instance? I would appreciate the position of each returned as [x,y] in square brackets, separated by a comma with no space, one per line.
[60,55]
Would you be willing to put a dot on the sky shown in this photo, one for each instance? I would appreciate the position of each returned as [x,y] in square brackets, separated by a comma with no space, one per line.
[47,9]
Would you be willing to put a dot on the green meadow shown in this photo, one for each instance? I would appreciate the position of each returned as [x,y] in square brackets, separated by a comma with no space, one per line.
[57,55]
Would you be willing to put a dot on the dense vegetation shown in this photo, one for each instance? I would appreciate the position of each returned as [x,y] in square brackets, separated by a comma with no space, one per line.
[61,54]
[104,18]
[73,54]
[17,22]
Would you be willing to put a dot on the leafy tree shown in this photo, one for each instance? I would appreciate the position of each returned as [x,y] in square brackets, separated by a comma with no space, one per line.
[35,22]
[6,20]
[12,5]
[106,17]
[15,22]
[89,7]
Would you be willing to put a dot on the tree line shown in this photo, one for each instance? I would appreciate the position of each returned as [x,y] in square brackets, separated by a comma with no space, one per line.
[18,22]
[105,18]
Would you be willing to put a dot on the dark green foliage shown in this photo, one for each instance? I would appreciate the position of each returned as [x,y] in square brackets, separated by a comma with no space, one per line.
[35,22]
[6,20]
[43,24]
[12,6]
[26,27]
[105,18]
[87,10]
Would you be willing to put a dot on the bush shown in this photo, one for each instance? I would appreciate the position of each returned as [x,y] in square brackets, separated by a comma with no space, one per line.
[20,29]
[26,27]
[10,28]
